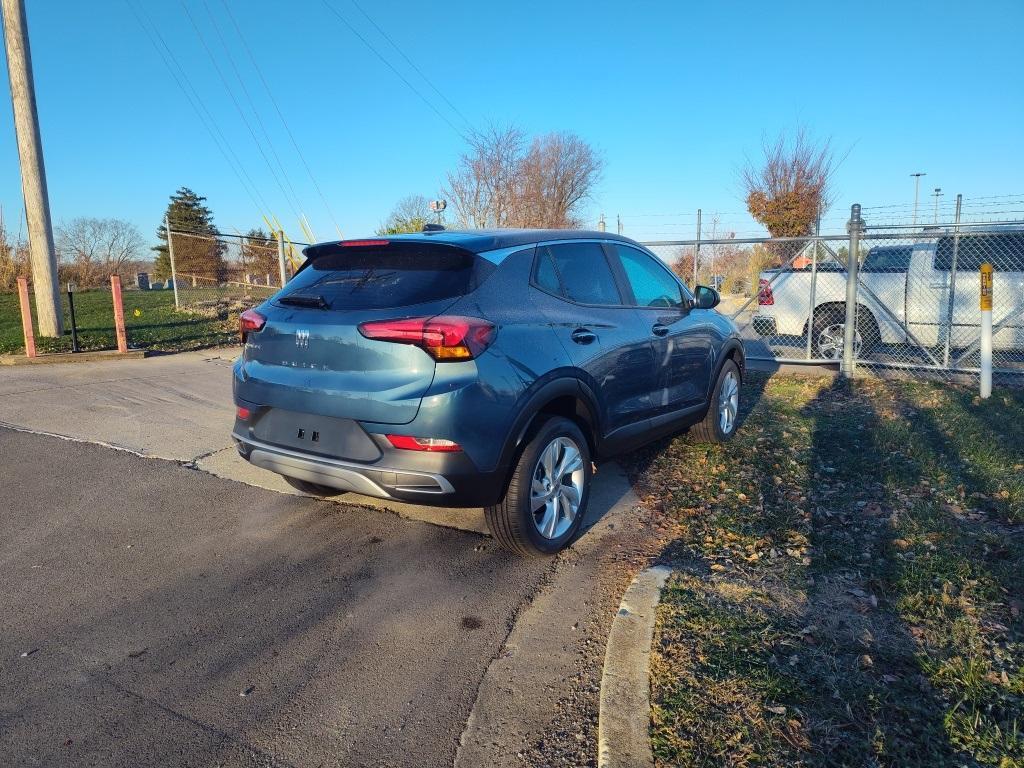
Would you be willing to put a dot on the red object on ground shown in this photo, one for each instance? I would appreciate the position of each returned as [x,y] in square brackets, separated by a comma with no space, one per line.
[26,318]
[115,292]
[765,297]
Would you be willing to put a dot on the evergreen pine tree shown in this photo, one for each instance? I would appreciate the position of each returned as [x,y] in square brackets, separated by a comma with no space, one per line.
[198,257]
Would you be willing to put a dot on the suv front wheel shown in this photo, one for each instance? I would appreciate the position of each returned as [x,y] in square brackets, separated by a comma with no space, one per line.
[547,496]
[719,425]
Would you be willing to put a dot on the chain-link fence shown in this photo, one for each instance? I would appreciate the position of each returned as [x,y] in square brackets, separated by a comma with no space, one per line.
[220,275]
[915,295]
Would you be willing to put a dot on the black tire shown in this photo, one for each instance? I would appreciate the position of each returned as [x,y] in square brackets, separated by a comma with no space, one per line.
[710,429]
[511,520]
[313,489]
[829,319]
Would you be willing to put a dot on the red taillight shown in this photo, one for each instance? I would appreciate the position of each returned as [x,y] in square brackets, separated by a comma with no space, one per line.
[362,243]
[443,338]
[765,297]
[244,413]
[250,321]
[432,444]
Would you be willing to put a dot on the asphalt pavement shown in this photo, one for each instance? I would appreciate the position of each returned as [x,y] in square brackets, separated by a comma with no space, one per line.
[155,615]
[163,602]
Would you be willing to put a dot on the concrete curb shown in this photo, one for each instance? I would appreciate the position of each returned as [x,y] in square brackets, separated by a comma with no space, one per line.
[72,357]
[623,739]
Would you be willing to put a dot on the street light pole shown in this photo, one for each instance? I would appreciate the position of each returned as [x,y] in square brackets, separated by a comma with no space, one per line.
[33,173]
[917,189]
[937,194]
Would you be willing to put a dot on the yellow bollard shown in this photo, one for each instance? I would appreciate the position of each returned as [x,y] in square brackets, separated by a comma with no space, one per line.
[986,329]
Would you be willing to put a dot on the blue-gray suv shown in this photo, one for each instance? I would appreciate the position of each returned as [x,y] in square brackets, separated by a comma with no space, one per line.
[480,369]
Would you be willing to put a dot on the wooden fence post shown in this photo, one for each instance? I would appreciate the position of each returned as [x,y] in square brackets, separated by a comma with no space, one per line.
[26,318]
[115,292]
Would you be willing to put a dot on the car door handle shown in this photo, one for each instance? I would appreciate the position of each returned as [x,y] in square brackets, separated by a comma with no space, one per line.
[659,330]
[584,336]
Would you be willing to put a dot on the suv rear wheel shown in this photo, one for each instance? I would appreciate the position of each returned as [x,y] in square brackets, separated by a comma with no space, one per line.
[547,496]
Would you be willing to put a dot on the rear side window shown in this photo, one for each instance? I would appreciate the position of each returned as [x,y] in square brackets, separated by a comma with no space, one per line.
[578,272]
[394,275]
[894,258]
[652,284]
[1004,251]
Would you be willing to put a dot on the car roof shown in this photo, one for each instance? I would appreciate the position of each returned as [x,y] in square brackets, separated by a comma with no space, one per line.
[480,240]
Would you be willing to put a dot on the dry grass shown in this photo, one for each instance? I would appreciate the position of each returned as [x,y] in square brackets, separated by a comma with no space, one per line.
[850,583]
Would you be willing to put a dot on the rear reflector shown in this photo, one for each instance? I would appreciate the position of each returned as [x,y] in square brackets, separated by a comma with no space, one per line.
[433,444]
[443,338]
[244,413]
[765,297]
[250,321]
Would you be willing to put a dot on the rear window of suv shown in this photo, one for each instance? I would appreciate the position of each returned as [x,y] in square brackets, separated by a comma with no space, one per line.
[393,275]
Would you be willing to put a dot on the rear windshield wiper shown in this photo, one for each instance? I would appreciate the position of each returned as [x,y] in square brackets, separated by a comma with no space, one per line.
[312,300]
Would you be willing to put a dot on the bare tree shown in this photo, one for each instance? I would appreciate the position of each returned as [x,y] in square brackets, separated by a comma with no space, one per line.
[789,189]
[409,215]
[14,261]
[93,249]
[557,175]
[483,186]
[502,182]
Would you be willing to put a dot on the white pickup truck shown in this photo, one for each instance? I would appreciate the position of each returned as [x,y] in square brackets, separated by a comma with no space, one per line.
[904,295]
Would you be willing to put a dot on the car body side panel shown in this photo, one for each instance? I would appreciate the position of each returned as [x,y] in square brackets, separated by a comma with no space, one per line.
[475,402]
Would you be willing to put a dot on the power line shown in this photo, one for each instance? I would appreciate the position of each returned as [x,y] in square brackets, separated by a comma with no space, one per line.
[280,115]
[252,103]
[195,101]
[241,112]
[390,66]
[409,61]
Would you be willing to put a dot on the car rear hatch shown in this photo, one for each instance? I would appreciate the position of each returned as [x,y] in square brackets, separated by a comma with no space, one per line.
[310,356]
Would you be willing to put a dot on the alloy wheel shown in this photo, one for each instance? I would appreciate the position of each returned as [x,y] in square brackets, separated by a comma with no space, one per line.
[831,341]
[556,490]
[728,402]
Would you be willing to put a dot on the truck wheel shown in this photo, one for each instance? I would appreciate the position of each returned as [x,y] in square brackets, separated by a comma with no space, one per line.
[313,489]
[719,424]
[546,499]
[827,334]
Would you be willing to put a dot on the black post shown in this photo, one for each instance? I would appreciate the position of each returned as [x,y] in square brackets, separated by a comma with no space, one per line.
[74,326]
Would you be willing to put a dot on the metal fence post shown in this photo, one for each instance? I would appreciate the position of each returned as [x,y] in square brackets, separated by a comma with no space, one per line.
[170,253]
[852,261]
[281,261]
[696,252]
[814,287]
[952,284]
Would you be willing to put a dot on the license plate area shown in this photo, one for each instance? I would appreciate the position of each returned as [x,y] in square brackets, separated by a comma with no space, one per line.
[324,435]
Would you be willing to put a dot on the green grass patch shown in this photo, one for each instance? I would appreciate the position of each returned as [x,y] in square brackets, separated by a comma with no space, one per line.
[151,322]
[850,580]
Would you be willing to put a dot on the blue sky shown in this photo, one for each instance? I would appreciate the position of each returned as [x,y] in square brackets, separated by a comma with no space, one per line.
[675,95]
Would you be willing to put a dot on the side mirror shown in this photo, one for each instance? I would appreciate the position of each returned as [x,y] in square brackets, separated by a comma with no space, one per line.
[706,298]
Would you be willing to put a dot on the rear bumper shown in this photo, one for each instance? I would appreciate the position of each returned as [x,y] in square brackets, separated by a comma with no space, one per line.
[456,483]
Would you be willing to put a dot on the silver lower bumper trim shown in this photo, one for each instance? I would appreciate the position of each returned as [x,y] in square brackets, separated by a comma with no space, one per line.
[335,473]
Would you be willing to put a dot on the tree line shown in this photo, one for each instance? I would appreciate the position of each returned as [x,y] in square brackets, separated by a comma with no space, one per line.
[503,178]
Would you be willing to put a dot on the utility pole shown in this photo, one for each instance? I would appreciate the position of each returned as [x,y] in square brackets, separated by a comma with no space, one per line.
[937,194]
[618,223]
[917,189]
[33,174]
